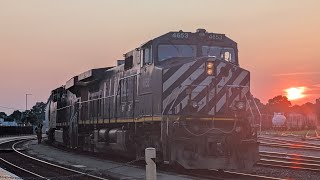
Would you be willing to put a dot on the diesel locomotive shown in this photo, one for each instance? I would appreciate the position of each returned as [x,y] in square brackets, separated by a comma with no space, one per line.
[182,93]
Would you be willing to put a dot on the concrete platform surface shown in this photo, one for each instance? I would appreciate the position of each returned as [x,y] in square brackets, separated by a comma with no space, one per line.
[92,164]
[7,175]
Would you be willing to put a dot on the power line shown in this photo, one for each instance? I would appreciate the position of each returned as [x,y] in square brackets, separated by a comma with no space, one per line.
[4,107]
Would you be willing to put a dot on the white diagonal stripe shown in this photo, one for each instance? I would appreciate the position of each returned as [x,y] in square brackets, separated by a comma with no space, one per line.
[238,80]
[196,91]
[221,102]
[176,75]
[220,85]
[184,84]
[203,102]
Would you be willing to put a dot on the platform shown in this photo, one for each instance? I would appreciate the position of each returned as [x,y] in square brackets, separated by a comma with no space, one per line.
[91,164]
[7,175]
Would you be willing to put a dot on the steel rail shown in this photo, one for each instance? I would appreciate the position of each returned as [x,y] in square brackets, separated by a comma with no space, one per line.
[54,165]
[291,161]
[22,169]
[289,146]
[290,165]
[247,175]
[288,141]
[15,166]
[253,175]
[290,155]
[287,167]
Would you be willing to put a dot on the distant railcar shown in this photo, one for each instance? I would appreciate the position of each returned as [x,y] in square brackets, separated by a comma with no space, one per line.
[182,93]
[279,121]
[289,121]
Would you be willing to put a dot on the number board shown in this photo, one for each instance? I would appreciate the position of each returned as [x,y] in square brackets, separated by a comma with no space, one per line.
[186,35]
[180,35]
[212,36]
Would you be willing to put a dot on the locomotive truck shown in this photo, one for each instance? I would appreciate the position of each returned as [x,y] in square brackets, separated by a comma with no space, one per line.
[182,93]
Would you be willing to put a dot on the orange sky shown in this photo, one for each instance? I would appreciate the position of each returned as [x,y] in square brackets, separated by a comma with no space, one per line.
[44,43]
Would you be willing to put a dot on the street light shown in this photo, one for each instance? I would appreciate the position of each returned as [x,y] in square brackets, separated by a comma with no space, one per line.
[27,100]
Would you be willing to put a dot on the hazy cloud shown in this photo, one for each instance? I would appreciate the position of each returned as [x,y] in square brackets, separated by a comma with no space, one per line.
[313,90]
[297,73]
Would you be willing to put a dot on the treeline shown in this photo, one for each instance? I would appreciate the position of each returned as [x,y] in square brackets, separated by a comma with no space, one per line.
[282,104]
[33,116]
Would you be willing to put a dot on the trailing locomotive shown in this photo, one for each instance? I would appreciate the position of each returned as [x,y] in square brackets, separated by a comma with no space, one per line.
[182,93]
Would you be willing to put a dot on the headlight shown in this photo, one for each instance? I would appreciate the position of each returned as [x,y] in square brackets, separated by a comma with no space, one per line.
[210,72]
[209,65]
[210,68]
[240,105]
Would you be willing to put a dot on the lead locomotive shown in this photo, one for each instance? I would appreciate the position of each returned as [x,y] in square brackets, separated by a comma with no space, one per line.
[182,93]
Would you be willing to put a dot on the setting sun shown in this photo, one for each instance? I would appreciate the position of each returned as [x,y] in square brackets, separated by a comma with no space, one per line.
[295,93]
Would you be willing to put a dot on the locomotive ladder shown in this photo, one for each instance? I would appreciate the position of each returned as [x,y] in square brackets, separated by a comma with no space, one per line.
[164,136]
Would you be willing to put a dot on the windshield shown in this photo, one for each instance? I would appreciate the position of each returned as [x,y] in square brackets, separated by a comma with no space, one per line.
[169,51]
[226,54]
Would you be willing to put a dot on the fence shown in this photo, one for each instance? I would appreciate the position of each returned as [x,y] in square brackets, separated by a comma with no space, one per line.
[15,130]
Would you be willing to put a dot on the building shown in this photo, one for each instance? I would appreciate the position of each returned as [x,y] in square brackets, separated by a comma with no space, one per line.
[7,123]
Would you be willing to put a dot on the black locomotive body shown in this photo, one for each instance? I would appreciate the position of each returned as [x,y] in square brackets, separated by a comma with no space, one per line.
[182,93]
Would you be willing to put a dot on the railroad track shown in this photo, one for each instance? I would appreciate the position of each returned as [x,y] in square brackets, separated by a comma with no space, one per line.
[277,142]
[228,175]
[29,167]
[291,161]
[33,168]
[205,174]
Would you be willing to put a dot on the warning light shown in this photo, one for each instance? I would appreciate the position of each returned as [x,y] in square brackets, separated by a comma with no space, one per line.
[210,68]
[210,65]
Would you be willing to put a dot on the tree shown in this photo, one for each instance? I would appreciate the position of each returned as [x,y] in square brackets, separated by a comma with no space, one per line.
[35,115]
[308,108]
[16,115]
[3,115]
[39,110]
[295,109]
[278,104]
[28,117]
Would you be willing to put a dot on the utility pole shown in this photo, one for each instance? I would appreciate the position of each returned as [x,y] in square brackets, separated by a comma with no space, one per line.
[27,100]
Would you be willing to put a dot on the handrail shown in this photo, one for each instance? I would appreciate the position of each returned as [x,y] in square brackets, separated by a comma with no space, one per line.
[249,106]
[258,111]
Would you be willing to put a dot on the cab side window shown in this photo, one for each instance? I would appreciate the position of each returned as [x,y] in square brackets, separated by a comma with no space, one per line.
[146,56]
[128,63]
